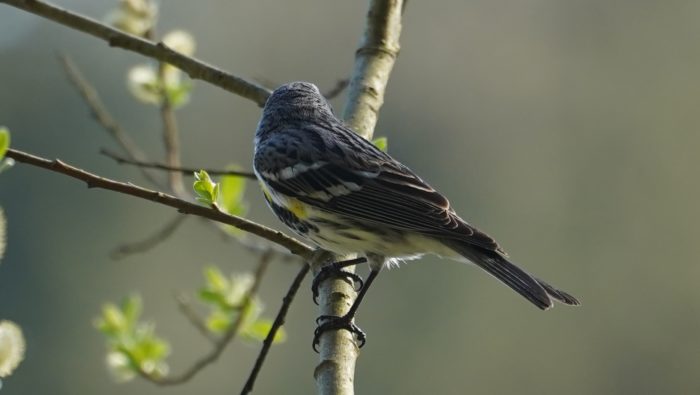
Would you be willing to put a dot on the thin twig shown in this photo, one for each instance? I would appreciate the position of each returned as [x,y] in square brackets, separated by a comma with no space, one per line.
[221,344]
[332,93]
[94,181]
[186,170]
[279,321]
[186,309]
[102,116]
[337,89]
[195,68]
[127,249]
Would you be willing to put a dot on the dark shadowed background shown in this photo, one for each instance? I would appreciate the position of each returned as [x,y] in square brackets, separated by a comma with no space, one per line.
[568,130]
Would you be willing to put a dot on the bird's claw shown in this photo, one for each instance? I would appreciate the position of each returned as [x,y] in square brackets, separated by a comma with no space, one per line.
[334,270]
[336,323]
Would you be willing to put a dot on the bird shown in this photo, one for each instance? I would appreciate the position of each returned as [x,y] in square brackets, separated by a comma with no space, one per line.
[336,189]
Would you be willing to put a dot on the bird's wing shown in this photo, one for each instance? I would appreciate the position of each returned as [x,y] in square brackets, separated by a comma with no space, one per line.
[370,186]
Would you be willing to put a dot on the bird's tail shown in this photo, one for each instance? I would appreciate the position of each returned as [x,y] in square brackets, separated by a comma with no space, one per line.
[533,289]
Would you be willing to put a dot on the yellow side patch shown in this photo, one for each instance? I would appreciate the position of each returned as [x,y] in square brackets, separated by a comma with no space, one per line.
[297,208]
[266,192]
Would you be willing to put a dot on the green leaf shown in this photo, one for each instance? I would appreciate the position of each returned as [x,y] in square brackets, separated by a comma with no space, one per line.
[252,312]
[206,189]
[3,231]
[151,347]
[179,94]
[210,297]
[232,193]
[4,141]
[219,322]
[382,143]
[132,345]
[226,298]
[259,330]
[240,286]
[216,281]
[131,308]
[216,289]
[112,322]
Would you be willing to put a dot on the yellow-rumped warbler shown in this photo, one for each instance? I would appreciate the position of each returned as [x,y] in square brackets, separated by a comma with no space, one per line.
[338,190]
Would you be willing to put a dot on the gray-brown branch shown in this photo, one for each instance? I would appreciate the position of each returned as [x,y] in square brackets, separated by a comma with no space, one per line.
[195,68]
[94,181]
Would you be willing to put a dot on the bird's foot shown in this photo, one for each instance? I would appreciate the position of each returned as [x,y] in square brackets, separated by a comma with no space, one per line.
[335,270]
[332,322]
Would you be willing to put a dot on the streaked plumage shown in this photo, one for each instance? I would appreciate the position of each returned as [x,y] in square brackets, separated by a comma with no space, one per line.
[338,190]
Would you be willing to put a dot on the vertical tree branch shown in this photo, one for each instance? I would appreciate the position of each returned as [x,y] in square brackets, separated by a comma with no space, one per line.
[171,142]
[374,61]
[171,138]
[171,133]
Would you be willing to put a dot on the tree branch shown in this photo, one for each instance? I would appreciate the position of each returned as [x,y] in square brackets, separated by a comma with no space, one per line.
[186,309]
[102,116]
[279,321]
[171,142]
[221,344]
[195,68]
[171,136]
[126,249]
[374,61]
[94,181]
[186,170]
[337,89]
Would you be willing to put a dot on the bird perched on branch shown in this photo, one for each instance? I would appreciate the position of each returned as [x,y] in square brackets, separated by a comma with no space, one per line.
[335,188]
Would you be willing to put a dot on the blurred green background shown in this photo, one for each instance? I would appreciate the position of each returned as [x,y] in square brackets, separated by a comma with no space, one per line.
[567,129]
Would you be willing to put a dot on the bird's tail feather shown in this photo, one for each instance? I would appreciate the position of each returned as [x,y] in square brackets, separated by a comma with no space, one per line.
[533,289]
[558,294]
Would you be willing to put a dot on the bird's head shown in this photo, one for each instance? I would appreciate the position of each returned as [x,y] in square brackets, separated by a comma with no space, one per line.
[296,101]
